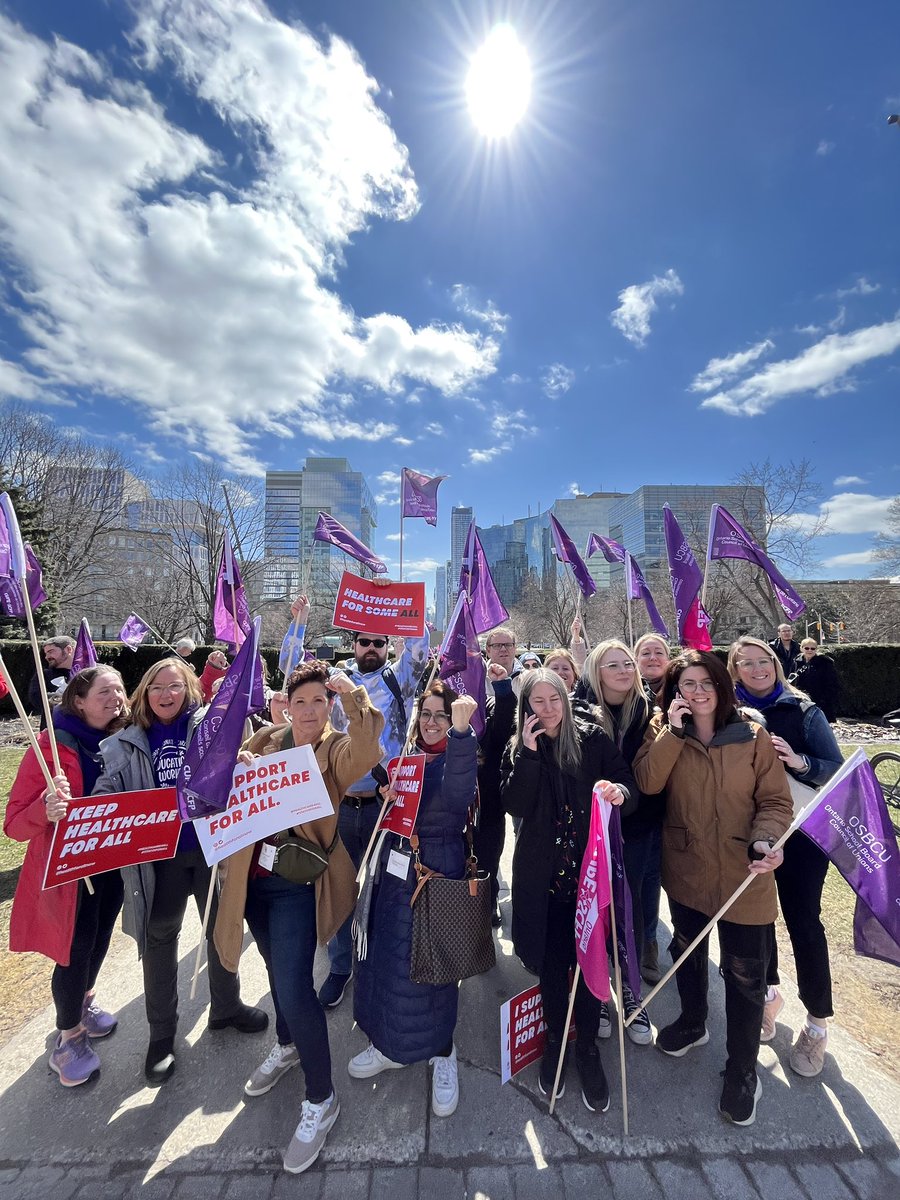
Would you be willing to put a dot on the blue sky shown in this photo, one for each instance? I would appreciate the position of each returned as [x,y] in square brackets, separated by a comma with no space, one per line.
[269,232]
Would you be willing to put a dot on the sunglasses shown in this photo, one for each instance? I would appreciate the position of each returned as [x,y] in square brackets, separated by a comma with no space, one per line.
[378,643]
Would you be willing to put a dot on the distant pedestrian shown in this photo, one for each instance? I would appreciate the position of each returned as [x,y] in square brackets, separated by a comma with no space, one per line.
[786,648]
[816,674]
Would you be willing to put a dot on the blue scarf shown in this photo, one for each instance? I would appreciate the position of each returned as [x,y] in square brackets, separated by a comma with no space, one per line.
[88,741]
[758,701]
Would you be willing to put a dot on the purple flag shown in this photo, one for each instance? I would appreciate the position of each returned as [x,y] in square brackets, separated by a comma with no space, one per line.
[133,632]
[329,530]
[687,580]
[34,577]
[728,539]
[628,956]
[13,561]
[611,551]
[564,549]
[462,666]
[231,614]
[85,655]
[638,590]
[418,495]
[477,583]
[852,826]
[205,778]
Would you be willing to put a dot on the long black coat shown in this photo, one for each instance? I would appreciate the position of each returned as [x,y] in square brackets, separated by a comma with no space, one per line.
[527,793]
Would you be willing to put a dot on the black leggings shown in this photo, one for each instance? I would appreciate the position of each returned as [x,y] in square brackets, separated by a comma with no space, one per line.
[95,917]
[559,958]
[800,880]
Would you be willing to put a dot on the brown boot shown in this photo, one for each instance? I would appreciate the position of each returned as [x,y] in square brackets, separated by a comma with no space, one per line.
[650,972]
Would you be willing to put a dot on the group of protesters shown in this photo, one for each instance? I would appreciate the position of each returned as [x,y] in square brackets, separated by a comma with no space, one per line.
[700,758]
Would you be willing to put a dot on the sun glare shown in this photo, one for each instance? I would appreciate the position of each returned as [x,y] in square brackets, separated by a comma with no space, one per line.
[498,86]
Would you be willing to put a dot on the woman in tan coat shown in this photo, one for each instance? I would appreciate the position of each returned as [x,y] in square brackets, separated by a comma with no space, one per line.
[288,919]
[728,802]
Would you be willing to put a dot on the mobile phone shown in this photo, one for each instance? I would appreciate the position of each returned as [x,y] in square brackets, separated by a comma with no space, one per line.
[529,712]
[685,717]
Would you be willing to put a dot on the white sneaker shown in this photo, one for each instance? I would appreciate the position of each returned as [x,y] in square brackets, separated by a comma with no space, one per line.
[444,1085]
[371,1062]
[309,1136]
[280,1060]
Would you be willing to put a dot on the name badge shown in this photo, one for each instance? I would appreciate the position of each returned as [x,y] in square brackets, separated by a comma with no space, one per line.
[398,864]
[267,856]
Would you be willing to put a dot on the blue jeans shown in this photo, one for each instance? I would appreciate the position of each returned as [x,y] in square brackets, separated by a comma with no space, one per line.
[650,890]
[282,919]
[355,826]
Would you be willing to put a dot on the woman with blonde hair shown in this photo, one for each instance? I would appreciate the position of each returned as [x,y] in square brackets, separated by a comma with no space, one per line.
[148,753]
[805,743]
[563,662]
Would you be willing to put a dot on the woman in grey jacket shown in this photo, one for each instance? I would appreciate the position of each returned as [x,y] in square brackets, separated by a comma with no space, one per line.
[165,711]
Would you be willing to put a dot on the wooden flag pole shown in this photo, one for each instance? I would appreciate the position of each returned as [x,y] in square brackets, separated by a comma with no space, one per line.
[565,1039]
[200,944]
[617,969]
[26,724]
[401,543]
[42,683]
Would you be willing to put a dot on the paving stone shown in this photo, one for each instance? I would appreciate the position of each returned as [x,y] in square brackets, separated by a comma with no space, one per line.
[868,1180]
[771,1179]
[533,1183]
[250,1187]
[727,1180]
[822,1181]
[39,1183]
[487,1183]
[286,1186]
[632,1181]
[199,1187]
[394,1183]
[584,1179]
[441,1183]
[348,1185]
[160,1187]
[681,1183]
[8,1174]
[108,1189]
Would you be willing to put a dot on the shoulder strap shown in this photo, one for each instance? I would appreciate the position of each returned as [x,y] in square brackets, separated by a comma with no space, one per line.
[394,688]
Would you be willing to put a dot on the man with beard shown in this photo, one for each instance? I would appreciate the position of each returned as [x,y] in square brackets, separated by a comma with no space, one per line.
[392,689]
[58,654]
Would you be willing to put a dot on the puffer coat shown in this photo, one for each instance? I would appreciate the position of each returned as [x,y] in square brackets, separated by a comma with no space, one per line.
[407,1021]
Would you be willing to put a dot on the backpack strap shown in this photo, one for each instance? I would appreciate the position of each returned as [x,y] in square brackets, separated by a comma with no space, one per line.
[394,688]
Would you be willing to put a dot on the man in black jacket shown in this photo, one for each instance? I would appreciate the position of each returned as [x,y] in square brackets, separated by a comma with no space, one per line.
[58,653]
[786,649]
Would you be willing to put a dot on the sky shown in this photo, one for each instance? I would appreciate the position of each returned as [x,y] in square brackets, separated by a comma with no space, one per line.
[262,233]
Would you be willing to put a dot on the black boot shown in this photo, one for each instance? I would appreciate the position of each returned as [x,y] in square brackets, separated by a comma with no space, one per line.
[594,1088]
[159,1064]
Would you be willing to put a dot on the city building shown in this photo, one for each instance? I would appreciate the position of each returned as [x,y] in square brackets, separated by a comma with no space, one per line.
[460,520]
[440,598]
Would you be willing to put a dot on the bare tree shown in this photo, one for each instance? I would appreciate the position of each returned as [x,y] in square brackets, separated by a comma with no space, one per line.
[887,543]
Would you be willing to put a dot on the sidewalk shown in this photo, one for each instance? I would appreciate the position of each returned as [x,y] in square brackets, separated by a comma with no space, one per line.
[834,1138]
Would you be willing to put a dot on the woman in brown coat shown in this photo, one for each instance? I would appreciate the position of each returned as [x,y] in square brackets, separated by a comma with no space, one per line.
[728,802]
[286,918]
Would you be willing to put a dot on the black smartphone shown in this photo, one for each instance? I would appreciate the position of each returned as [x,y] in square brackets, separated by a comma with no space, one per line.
[529,712]
[686,718]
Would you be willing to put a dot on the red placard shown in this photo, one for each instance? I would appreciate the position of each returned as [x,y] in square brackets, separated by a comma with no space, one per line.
[379,606]
[523,1032]
[408,785]
[103,833]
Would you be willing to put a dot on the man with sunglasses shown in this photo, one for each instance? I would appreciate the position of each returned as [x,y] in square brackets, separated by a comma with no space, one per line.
[392,689]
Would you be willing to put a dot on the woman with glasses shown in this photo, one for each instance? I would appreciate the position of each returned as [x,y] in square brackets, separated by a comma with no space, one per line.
[148,753]
[409,1022]
[727,803]
[805,743]
[550,769]
[817,676]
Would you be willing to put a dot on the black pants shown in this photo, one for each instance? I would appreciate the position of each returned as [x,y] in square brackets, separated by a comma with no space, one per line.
[559,958]
[489,840]
[176,879]
[636,859]
[95,917]
[800,880]
[745,952]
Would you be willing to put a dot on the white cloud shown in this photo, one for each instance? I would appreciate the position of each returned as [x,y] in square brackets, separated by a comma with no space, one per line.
[822,369]
[556,380]
[151,272]
[388,499]
[824,148]
[392,537]
[434,428]
[638,302]
[717,370]
[505,424]
[386,478]
[403,441]
[484,456]
[422,564]
[850,512]
[856,559]
[485,313]
[848,480]
[573,490]
[862,287]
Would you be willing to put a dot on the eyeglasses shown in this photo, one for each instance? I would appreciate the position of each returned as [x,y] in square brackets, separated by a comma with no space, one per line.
[157,689]
[378,643]
[434,718]
[692,685]
[750,664]
[500,645]
[625,665]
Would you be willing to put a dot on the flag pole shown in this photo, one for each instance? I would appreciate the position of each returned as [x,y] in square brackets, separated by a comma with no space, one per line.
[627,577]
[401,544]
[199,958]
[20,709]
[156,631]
[709,541]
[617,969]
[565,1038]
[42,682]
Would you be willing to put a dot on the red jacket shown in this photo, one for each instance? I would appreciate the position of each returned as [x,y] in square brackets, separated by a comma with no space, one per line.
[40,921]
[208,678]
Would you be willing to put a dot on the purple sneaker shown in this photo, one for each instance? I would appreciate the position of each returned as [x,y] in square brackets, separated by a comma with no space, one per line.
[96,1022]
[74,1061]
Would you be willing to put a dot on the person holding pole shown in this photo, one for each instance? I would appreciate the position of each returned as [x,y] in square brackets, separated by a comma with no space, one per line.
[805,743]
[727,803]
[148,753]
[70,924]
[550,769]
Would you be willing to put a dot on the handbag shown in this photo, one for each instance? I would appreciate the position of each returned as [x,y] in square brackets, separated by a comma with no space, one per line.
[451,934]
[299,860]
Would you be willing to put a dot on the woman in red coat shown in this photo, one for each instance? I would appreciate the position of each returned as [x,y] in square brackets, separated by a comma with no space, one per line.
[67,923]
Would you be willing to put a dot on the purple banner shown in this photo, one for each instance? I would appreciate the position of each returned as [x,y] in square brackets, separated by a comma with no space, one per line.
[564,549]
[85,655]
[687,580]
[418,495]
[612,551]
[477,583]
[638,590]
[462,666]
[728,539]
[133,632]
[13,561]
[329,530]
[629,961]
[231,613]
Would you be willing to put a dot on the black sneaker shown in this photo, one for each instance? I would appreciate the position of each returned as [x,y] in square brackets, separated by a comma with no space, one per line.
[331,993]
[639,1030]
[496,919]
[246,1020]
[594,1088]
[548,1070]
[159,1065]
[740,1093]
[676,1039]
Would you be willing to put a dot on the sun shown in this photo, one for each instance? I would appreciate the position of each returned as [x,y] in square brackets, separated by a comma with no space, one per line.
[498,86]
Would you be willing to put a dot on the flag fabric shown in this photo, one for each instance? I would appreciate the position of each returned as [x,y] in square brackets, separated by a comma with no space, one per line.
[13,561]
[231,613]
[477,583]
[728,539]
[687,581]
[564,549]
[612,551]
[851,824]
[462,666]
[34,577]
[204,780]
[637,589]
[133,632]
[292,653]
[330,530]
[629,962]
[418,495]
[85,655]
[592,908]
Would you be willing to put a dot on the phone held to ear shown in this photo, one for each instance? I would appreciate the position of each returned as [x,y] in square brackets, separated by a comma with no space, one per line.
[529,712]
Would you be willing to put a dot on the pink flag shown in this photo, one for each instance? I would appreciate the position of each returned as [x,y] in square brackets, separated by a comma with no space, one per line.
[592,909]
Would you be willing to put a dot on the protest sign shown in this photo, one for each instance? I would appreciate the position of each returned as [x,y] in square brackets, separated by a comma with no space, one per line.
[108,832]
[408,785]
[274,793]
[523,1032]
[370,606]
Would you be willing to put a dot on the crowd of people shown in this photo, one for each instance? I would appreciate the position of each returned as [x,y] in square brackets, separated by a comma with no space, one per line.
[704,760]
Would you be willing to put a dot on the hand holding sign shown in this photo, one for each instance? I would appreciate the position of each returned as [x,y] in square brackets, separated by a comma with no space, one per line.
[57,802]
